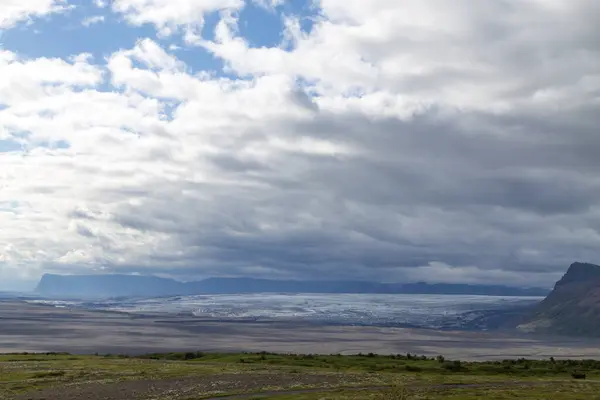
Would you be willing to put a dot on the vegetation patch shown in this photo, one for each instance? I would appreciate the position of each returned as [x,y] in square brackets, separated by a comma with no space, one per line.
[199,375]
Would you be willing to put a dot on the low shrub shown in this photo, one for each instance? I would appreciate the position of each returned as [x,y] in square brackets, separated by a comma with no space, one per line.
[454,366]
[49,374]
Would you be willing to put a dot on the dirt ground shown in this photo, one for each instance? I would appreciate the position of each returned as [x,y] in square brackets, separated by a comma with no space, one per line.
[187,387]
[247,387]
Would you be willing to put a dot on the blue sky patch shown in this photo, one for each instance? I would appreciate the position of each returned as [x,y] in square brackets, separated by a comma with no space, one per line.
[9,145]
[87,28]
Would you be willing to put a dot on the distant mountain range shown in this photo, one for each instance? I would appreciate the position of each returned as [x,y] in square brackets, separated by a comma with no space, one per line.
[104,286]
[572,308]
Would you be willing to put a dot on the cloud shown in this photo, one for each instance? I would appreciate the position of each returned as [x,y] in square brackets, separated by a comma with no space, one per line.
[438,272]
[268,4]
[96,19]
[434,52]
[170,16]
[394,140]
[14,11]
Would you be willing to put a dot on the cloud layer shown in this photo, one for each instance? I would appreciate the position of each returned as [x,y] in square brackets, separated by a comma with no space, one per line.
[15,11]
[388,140]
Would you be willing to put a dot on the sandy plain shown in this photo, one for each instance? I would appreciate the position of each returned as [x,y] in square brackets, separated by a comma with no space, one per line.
[38,328]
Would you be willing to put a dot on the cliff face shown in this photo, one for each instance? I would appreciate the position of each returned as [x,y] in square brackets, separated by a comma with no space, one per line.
[573,307]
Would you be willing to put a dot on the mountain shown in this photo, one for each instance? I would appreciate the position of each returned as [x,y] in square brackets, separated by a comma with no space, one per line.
[95,286]
[252,285]
[102,286]
[572,308]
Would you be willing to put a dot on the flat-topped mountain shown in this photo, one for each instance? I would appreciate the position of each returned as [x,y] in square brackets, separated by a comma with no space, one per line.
[580,273]
[94,286]
[108,286]
[573,307]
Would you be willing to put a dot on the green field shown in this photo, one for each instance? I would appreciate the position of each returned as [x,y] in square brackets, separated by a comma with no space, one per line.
[189,376]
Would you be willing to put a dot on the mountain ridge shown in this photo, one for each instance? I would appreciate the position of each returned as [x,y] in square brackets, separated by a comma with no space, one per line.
[115,285]
[572,307]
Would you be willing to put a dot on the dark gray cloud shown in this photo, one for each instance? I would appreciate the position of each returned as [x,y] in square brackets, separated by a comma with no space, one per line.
[415,192]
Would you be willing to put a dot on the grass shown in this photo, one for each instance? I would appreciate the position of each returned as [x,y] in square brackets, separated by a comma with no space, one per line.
[400,363]
[404,376]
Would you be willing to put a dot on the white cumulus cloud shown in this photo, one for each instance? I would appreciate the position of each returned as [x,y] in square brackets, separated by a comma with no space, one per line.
[170,16]
[14,11]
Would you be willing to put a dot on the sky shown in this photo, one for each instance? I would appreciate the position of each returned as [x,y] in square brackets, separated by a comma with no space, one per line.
[383,140]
